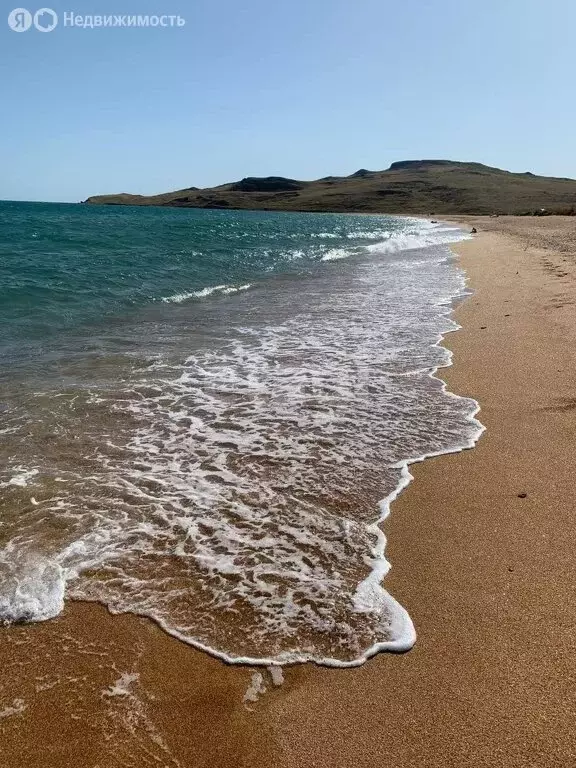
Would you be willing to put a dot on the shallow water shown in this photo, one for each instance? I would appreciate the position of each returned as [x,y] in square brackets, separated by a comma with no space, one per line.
[208,439]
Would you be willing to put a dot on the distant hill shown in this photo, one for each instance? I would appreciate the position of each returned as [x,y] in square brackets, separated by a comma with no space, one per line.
[430,187]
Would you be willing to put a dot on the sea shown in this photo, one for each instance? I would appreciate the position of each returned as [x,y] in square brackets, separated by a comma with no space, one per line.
[206,414]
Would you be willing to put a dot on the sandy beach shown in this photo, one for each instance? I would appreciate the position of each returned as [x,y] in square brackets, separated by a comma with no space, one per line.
[482,553]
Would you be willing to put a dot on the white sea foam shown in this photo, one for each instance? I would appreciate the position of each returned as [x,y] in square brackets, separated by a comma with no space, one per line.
[420,234]
[223,290]
[16,708]
[22,477]
[32,586]
[335,254]
[255,689]
[122,686]
[276,674]
[242,484]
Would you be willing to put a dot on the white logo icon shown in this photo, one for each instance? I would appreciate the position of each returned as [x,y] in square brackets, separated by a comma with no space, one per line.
[45,20]
[20,20]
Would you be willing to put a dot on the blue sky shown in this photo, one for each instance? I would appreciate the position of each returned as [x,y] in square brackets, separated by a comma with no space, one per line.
[300,88]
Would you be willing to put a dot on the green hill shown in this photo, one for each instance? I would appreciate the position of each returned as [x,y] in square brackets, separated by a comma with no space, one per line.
[430,187]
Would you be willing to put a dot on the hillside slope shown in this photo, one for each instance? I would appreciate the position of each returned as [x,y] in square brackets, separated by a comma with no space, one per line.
[411,186]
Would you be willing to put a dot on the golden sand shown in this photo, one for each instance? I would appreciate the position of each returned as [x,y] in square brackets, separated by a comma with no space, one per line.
[483,554]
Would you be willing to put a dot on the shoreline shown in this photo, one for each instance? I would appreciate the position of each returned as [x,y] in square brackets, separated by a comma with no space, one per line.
[486,576]
[368,591]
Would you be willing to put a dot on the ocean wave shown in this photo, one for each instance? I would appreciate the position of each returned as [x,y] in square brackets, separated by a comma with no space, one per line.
[421,237]
[223,290]
[422,234]
[337,253]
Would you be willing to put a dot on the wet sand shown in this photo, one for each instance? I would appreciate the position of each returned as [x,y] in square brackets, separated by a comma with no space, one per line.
[482,550]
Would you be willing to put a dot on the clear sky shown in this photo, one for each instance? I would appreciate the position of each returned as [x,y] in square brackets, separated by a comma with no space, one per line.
[299,88]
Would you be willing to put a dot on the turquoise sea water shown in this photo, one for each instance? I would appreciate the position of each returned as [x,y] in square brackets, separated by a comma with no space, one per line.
[68,266]
[205,415]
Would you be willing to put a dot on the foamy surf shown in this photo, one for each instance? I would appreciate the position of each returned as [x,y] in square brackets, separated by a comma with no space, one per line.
[32,588]
[222,290]
[230,487]
[21,477]
[418,234]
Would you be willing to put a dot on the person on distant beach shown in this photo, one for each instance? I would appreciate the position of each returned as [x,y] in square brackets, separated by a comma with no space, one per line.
[474,230]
